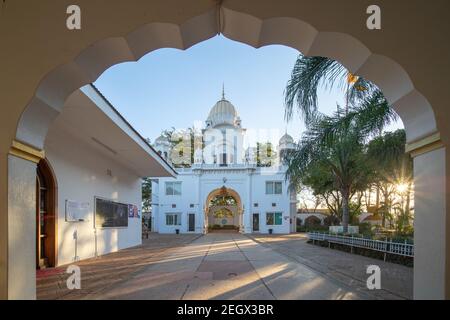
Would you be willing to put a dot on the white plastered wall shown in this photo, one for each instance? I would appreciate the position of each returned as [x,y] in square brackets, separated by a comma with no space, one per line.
[81,173]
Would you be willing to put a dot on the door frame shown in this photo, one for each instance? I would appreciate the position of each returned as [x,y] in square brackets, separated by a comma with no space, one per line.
[253,222]
[51,249]
[188,222]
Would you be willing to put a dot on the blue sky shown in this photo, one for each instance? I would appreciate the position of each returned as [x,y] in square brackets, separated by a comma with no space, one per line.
[173,88]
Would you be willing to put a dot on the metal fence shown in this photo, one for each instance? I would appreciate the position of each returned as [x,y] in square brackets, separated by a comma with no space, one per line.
[386,247]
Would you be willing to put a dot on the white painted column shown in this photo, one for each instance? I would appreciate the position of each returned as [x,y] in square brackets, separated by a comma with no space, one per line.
[431,226]
[200,224]
[248,208]
[21,231]
[293,210]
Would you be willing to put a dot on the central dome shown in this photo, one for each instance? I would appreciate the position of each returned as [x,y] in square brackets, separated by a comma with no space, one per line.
[223,113]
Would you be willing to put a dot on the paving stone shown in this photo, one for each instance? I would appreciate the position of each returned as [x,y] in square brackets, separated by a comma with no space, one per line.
[222,266]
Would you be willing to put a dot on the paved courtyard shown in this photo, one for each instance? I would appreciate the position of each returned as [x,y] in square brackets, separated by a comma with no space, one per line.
[350,269]
[226,266]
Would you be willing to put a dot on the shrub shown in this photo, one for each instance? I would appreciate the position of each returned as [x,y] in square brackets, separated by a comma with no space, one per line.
[331,221]
[313,228]
[229,227]
[366,229]
[407,231]
[312,221]
[224,227]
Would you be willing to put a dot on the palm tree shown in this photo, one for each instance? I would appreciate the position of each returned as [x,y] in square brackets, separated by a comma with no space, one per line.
[310,73]
[334,140]
[341,150]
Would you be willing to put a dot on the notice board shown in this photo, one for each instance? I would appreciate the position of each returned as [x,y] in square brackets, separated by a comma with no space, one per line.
[110,214]
[77,211]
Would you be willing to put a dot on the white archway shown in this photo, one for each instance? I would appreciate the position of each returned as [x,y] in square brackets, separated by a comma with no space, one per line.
[413,108]
[237,209]
[224,191]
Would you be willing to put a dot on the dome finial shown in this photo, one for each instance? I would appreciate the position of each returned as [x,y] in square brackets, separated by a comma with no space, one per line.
[223,91]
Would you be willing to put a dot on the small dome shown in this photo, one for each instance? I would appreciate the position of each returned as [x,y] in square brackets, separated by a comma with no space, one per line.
[286,139]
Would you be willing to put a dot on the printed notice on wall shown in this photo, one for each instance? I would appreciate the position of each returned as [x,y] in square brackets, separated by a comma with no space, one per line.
[77,211]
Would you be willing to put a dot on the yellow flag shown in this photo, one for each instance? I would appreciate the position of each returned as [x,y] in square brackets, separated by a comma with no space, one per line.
[351,78]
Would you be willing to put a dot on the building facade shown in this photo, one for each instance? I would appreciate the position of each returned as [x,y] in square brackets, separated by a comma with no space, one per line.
[89,184]
[226,186]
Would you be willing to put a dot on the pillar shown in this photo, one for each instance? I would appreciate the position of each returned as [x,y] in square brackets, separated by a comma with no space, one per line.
[19,237]
[431,223]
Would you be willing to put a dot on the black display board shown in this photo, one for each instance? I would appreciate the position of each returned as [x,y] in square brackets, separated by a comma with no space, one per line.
[110,214]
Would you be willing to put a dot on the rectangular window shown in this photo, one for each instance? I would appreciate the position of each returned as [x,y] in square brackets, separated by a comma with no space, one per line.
[173,219]
[223,159]
[173,188]
[274,218]
[274,187]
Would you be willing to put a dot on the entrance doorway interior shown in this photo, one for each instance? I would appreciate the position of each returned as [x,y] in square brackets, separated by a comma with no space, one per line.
[46,220]
[256,222]
[224,210]
[191,222]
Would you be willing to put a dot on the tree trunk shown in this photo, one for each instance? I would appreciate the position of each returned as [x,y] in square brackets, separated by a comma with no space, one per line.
[408,203]
[377,198]
[345,209]
[387,205]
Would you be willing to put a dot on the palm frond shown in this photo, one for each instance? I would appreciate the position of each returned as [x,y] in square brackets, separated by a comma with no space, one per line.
[308,75]
[361,90]
[368,118]
[373,114]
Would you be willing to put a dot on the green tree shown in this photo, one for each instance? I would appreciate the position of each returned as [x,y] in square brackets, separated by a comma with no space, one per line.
[336,141]
[393,168]
[321,180]
[342,155]
[223,200]
[311,73]
[146,194]
[183,145]
[265,154]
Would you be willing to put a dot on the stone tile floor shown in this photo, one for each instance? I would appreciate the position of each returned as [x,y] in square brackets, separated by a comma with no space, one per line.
[103,272]
[223,266]
[396,280]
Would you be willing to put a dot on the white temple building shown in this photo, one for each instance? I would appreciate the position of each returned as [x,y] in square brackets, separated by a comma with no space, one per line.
[224,186]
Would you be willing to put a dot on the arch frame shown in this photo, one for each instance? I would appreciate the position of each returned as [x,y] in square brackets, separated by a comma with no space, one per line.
[49,175]
[53,90]
[413,108]
[219,191]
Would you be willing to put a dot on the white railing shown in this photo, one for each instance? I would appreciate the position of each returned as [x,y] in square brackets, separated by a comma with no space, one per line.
[233,166]
[223,166]
[387,246]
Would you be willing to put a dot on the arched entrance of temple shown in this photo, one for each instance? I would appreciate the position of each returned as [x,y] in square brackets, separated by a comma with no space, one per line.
[223,210]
